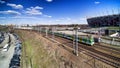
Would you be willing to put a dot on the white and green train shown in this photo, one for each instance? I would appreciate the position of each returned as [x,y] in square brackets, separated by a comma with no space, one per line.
[89,40]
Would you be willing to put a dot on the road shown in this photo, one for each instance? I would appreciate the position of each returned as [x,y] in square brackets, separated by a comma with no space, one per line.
[5,57]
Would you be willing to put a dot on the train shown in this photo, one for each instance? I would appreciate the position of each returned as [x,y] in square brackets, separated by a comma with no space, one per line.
[89,40]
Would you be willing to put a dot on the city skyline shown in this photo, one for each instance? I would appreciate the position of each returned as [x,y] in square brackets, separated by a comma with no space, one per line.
[55,11]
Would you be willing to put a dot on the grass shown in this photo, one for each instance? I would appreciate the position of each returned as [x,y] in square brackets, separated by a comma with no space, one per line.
[113,28]
[33,53]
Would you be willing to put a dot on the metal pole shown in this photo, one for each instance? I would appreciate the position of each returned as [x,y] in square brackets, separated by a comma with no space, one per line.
[119,28]
[112,11]
[99,35]
[73,41]
[94,63]
[53,32]
[76,41]
[46,32]
[119,21]
[39,29]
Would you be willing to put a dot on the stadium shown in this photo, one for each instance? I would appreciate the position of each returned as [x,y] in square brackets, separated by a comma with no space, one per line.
[104,21]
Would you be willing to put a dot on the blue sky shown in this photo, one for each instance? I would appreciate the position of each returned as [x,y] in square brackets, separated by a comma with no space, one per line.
[55,11]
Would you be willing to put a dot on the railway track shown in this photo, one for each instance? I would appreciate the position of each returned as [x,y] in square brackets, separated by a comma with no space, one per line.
[108,50]
[104,57]
[96,54]
[107,58]
[107,47]
[89,50]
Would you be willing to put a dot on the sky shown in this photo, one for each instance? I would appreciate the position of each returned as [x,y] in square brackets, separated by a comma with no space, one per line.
[55,11]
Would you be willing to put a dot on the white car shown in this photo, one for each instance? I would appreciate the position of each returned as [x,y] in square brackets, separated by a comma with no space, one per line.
[5,50]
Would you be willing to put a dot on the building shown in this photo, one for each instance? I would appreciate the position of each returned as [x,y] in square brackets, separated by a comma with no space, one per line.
[103,21]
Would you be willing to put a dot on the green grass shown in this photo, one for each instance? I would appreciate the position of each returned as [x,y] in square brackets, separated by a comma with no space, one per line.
[34,55]
[3,28]
[113,28]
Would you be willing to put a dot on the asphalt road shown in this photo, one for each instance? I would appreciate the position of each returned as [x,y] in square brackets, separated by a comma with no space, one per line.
[5,57]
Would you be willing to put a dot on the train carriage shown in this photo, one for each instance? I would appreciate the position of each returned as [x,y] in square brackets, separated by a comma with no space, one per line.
[89,40]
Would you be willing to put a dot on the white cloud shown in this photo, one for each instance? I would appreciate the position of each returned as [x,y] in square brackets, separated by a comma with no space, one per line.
[34,10]
[38,7]
[11,12]
[15,6]
[49,0]
[47,16]
[24,17]
[97,2]
[2,2]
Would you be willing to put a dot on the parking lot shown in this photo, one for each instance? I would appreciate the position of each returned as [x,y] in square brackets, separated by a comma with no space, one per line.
[5,40]
[15,60]
[6,56]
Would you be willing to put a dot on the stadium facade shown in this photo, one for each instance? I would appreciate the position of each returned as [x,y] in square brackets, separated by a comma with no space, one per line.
[103,21]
